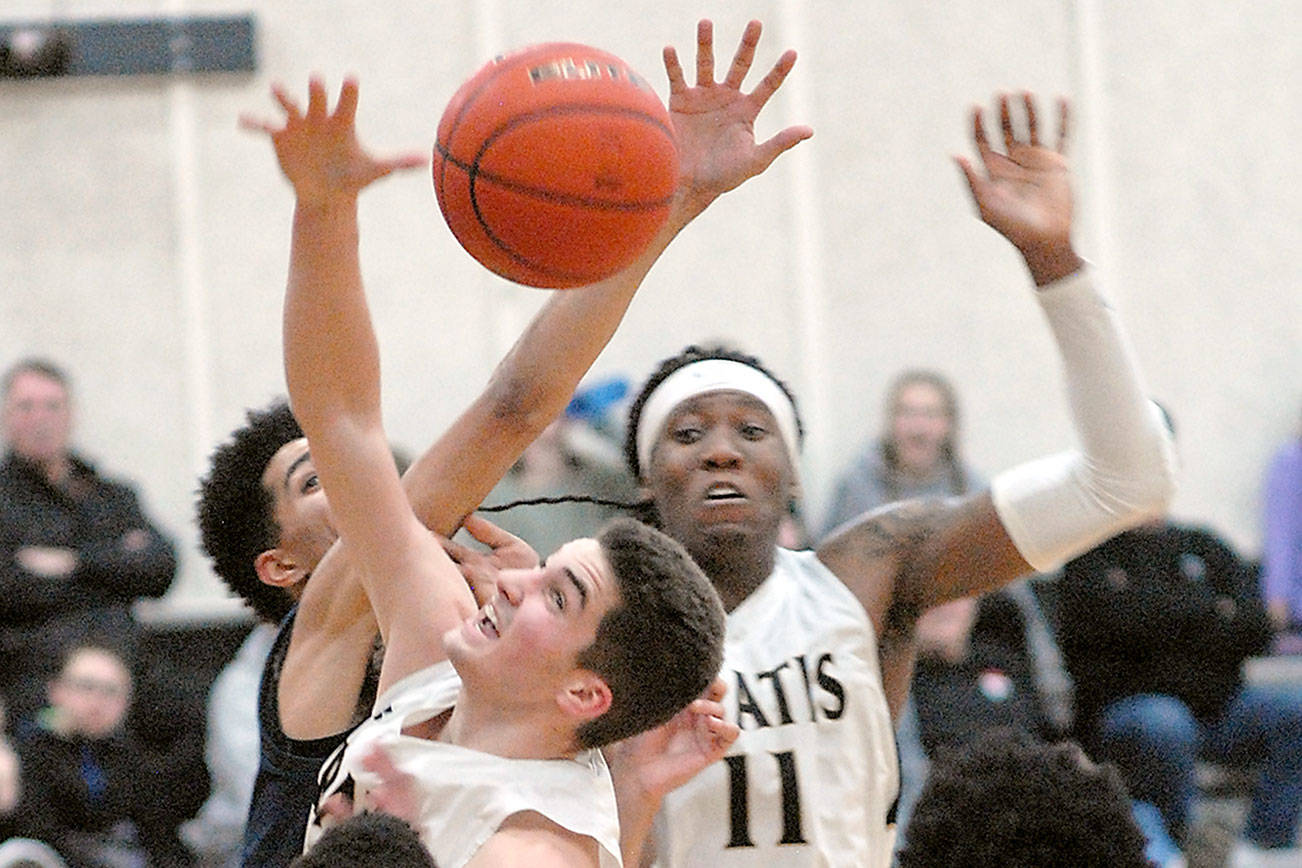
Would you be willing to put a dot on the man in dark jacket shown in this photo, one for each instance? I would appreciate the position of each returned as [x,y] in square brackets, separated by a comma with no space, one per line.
[1155,626]
[75,548]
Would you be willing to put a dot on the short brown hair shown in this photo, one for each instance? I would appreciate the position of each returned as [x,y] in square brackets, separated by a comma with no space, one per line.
[663,644]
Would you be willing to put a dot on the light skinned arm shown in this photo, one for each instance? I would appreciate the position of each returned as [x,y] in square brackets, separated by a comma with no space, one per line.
[332,368]
[714,126]
[904,559]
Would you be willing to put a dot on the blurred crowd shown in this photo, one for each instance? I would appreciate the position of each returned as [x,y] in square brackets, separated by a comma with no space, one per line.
[1136,650]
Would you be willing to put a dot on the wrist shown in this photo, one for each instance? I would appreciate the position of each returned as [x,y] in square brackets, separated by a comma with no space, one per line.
[1051,262]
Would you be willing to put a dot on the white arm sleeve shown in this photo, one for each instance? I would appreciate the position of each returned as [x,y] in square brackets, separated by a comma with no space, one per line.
[1057,507]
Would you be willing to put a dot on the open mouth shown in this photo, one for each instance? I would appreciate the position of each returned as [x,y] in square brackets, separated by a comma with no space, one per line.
[488,624]
[723,493]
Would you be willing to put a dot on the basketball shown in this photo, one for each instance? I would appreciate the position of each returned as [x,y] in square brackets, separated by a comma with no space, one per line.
[555,165]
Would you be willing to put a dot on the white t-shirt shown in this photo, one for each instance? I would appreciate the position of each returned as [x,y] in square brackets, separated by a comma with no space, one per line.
[468,794]
[813,778]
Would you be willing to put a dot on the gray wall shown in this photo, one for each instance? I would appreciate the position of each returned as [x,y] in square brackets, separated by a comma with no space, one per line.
[143,237]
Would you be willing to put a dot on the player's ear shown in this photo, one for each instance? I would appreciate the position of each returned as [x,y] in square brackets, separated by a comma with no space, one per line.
[585,695]
[278,568]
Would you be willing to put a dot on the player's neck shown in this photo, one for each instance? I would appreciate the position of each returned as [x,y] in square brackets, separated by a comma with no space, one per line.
[515,733]
[737,570]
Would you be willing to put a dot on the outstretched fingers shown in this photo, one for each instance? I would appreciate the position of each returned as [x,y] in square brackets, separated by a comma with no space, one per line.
[1064,117]
[745,56]
[1032,122]
[674,71]
[704,52]
[773,80]
[346,110]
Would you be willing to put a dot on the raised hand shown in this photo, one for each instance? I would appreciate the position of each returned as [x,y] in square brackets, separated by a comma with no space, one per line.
[1024,193]
[318,149]
[663,759]
[480,568]
[715,122]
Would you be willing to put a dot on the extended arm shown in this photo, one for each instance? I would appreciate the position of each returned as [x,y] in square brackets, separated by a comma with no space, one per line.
[332,369]
[903,561]
[530,387]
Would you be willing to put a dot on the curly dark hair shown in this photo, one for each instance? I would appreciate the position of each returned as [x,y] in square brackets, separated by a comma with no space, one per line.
[1007,799]
[367,839]
[234,508]
[662,645]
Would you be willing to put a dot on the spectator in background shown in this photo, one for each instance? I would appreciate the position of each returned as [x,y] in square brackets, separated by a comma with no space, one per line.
[1155,625]
[75,548]
[87,786]
[917,454]
[232,752]
[1281,561]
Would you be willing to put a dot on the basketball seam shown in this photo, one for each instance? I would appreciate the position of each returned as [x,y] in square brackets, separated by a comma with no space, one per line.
[474,172]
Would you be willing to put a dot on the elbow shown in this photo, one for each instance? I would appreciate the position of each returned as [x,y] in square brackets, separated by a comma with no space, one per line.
[520,403]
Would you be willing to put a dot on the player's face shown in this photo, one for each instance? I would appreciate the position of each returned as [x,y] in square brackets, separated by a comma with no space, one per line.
[920,422]
[37,417]
[299,504]
[92,693]
[528,637]
[720,467]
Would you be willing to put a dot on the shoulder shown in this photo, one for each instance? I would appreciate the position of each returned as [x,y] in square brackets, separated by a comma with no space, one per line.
[530,838]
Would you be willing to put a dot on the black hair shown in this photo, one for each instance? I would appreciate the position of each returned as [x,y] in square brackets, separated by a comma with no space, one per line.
[1007,798]
[661,646]
[370,838]
[234,508]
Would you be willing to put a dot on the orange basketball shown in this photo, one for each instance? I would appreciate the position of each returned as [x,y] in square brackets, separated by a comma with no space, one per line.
[555,165]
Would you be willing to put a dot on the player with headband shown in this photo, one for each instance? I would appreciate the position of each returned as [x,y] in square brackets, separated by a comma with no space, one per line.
[819,646]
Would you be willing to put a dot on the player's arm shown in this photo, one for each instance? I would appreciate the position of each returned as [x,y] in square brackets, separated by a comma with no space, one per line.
[714,128]
[332,368]
[902,560]
[528,838]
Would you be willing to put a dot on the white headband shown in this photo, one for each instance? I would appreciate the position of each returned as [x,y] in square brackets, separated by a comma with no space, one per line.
[712,375]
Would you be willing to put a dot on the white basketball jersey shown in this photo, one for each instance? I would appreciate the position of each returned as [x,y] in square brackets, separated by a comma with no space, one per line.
[814,775]
[468,794]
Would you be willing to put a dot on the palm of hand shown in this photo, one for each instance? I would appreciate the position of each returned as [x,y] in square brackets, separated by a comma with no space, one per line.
[1027,195]
[322,157]
[715,128]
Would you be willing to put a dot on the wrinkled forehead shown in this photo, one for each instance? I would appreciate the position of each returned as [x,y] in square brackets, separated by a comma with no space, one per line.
[587,560]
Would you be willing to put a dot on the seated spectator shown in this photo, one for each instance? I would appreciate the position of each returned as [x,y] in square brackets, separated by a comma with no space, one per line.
[87,787]
[1155,625]
[75,547]
[917,454]
[974,673]
[1281,560]
[1007,798]
[977,670]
